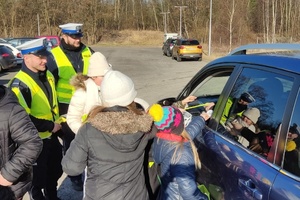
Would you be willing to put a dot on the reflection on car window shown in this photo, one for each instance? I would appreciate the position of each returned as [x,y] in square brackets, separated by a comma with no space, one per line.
[269,92]
[54,42]
[292,148]
[190,42]
[205,92]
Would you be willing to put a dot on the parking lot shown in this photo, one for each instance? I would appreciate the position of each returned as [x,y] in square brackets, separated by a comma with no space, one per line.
[155,77]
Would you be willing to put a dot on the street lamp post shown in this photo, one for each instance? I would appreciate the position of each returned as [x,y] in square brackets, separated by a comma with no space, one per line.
[209,34]
[180,7]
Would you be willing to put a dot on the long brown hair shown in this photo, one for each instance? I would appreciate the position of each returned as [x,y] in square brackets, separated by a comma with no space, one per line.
[179,145]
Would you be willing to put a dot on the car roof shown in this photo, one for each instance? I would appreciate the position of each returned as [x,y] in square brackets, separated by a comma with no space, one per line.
[47,36]
[184,39]
[5,47]
[284,56]
[20,38]
[7,44]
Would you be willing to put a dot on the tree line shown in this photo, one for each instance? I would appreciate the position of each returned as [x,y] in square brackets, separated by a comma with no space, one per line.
[233,22]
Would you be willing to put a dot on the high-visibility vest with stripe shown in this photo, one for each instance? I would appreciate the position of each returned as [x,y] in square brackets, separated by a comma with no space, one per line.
[227,110]
[40,106]
[66,71]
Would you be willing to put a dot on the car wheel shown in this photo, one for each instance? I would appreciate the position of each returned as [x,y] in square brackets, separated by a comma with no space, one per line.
[178,58]
[168,53]
[199,59]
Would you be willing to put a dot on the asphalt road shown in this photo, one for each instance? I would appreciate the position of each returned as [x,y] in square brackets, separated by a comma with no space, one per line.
[155,77]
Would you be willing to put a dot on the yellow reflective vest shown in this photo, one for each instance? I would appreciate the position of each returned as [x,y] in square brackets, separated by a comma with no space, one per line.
[226,112]
[66,71]
[40,106]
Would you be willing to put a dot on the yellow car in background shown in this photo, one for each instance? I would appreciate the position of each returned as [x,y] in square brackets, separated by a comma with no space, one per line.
[187,49]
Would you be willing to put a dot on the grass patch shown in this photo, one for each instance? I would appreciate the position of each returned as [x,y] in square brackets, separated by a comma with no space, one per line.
[133,38]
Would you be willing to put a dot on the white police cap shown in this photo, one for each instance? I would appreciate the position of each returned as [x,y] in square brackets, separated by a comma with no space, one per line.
[36,46]
[71,28]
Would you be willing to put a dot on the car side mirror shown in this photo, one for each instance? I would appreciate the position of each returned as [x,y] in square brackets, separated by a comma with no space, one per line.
[167,101]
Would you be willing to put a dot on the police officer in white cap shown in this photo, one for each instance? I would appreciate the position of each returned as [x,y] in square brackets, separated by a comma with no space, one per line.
[34,86]
[68,59]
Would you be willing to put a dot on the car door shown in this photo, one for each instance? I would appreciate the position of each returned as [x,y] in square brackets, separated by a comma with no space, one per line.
[165,46]
[175,48]
[287,156]
[229,169]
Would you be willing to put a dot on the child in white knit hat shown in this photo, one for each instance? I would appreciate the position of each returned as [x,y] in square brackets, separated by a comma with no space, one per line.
[87,94]
[248,120]
[85,97]
[111,144]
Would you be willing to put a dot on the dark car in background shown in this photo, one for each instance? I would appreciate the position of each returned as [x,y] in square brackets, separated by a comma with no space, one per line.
[268,167]
[15,51]
[7,58]
[168,46]
[187,49]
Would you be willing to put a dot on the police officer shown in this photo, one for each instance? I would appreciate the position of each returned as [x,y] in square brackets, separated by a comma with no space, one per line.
[236,106]
[34,86]
[68,59]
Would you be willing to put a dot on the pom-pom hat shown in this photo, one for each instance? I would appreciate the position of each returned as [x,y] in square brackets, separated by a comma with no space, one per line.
[167,119]
[98,65]
[37,47]
[117,89]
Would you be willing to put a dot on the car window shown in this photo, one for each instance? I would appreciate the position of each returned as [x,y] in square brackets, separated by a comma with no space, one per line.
[292,149]
[201,87]
[14,42]
[205,89]
[54,41]
[5,50]
[190,42]
[22,41]
[255,108]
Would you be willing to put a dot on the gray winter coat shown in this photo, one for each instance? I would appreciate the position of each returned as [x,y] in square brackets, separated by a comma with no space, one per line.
[111,145]
[20,144]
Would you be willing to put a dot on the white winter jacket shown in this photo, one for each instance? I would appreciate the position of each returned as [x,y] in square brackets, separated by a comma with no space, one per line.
[84,99]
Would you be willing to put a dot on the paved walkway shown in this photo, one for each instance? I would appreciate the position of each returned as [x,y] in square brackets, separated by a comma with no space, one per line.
[65,191]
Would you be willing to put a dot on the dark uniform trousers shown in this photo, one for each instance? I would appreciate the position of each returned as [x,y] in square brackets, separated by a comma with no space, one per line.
[47,171]
[68,136]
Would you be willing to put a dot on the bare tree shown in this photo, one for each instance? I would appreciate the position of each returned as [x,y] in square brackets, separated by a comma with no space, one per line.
[274,17]
[267,20]
[245,20]
[155,14]
[231,16]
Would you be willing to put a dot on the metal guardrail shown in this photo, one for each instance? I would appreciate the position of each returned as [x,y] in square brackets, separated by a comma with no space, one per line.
[274,46]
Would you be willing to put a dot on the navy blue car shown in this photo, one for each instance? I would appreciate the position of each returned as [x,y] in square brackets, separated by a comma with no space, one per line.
[262,162]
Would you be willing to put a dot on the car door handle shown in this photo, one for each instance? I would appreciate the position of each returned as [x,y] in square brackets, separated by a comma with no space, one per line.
[249,187]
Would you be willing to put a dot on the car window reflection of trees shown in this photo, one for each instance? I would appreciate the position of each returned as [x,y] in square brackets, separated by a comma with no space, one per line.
[268,91]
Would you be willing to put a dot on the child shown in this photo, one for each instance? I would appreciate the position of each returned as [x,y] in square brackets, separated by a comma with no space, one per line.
[174,150]
[111,144]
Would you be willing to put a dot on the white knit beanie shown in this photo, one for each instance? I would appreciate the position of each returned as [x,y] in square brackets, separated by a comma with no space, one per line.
[98,65]
[252,113]
[117,89]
